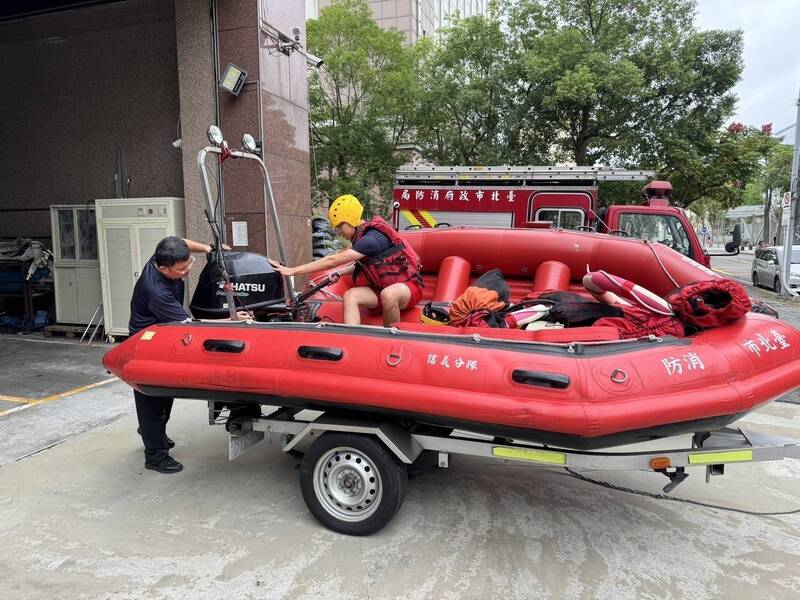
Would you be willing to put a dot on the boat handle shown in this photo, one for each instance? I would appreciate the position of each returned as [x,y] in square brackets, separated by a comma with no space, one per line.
[230,346]
[320,353]
[540,378]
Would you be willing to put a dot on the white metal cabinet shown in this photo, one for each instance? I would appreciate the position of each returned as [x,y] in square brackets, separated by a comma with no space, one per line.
[76,268]
[129,231]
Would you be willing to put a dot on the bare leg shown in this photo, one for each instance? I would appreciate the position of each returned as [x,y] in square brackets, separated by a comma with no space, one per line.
[355,298]
[394,298]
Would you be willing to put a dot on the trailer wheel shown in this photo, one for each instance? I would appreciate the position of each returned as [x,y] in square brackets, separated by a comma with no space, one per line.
[351,483]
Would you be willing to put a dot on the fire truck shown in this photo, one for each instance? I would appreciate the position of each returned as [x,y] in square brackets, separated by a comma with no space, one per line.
[564,197]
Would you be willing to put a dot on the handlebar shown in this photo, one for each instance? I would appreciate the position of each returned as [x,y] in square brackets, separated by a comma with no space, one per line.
[310,291]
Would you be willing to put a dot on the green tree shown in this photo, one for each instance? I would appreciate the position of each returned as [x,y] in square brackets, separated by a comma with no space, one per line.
[713,180]
[716,165]
[778,168]
[362,102]
[615,81]
[465,92]
[776,175]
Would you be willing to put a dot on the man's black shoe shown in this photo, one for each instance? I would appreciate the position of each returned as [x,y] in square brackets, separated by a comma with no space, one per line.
[170,443]
[167,465]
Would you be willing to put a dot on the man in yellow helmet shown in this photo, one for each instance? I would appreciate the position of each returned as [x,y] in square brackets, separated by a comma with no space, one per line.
[386,270]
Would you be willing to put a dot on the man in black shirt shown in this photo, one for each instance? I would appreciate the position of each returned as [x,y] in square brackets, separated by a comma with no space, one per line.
[158,298]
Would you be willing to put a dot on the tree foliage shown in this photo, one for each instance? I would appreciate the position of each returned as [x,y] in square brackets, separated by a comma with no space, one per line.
[628,83]
[764,160]
[362,102]
[715,166]
[464,93]
[619,79]
[777,174]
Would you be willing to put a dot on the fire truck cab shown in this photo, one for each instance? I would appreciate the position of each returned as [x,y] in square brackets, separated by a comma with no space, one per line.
[564,197]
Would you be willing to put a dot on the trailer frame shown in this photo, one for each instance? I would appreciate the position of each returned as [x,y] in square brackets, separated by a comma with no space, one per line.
[298,430]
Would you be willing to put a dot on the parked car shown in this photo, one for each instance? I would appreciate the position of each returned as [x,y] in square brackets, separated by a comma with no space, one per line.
[768,262]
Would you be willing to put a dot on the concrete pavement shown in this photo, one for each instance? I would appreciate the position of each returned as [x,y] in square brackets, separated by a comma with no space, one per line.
[81,518]
[50,390]
[84,520]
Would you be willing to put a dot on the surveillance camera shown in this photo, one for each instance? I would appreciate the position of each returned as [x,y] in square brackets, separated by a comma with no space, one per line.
[313,61]
[296,33]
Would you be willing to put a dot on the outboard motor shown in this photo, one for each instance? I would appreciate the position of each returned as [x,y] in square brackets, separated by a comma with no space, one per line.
[255,283]
[239,281]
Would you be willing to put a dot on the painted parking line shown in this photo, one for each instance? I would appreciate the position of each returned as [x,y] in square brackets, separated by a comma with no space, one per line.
[28,403]
[18,399]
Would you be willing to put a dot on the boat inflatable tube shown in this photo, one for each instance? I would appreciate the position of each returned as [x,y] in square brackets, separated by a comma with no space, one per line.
[453,279]
[551,275]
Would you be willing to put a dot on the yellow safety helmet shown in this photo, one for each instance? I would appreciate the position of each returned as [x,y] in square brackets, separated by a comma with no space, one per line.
[435,314]
[345,209]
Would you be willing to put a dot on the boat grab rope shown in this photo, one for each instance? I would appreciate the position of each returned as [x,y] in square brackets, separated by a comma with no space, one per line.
[478,338]
[628,490]
[663,268]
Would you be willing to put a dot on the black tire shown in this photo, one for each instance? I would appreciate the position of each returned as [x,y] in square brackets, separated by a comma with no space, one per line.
[776,285]
[755,279]
[341,476]
[320,224]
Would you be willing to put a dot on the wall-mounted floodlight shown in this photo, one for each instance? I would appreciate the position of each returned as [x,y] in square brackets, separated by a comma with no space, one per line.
[233,79]
[215,135]
[249,143]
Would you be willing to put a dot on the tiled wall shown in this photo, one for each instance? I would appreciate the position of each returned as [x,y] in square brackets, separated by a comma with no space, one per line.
[273,104]
[83,83]
[79,85]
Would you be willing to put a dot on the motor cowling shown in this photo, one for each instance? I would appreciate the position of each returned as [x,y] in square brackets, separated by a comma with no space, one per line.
[255,285]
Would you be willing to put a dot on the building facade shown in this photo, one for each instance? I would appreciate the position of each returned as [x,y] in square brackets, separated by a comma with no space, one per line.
[117,99]
[414,18]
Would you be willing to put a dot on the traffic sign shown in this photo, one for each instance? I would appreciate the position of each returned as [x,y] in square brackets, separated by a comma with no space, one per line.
[786,203]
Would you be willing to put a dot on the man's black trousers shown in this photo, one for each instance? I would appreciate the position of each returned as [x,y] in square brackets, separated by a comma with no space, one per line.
[153,413]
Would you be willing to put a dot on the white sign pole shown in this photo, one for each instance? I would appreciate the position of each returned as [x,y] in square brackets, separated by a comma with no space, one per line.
[789,238]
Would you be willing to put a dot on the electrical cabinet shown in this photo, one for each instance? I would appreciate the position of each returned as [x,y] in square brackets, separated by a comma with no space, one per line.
[76,269]
[128,232]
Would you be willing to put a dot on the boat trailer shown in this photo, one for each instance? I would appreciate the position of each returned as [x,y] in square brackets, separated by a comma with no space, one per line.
[354,471]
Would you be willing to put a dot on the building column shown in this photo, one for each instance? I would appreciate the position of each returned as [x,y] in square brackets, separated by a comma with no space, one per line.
[273,107]
[197,111]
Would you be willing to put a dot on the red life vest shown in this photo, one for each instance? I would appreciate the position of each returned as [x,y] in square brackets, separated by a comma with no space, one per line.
[397,264]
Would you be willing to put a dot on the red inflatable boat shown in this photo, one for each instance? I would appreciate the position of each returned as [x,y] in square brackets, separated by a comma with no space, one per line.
[580,387]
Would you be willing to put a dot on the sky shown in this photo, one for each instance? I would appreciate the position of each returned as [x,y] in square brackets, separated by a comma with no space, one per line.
[770,82]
